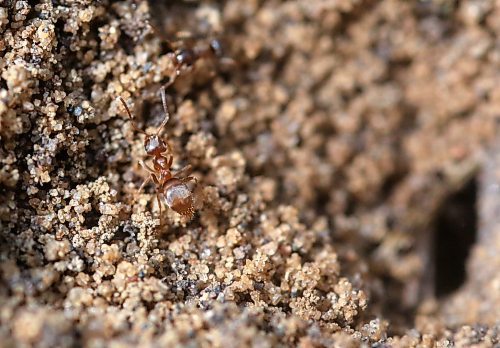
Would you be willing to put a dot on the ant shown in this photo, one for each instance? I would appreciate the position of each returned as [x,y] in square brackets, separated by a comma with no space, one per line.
[184,58]
[172,187]
[183,54]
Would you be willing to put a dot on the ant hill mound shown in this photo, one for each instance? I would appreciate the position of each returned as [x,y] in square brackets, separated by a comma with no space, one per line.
[345,170]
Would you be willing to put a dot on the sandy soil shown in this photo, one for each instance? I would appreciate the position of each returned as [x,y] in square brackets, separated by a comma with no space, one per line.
[346,153]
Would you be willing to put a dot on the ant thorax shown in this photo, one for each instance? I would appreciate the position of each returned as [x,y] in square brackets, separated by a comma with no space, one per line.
[161,162]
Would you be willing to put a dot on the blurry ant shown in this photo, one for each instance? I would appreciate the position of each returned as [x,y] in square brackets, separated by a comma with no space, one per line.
[185,53]
[185,58]
[172,187]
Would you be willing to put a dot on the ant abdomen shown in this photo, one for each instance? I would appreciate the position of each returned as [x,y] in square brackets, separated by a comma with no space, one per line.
[179,197]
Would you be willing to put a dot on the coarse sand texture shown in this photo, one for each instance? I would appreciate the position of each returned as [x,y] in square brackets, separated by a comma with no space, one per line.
[347,159]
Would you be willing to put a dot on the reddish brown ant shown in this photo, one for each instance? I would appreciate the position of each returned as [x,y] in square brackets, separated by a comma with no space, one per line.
[172,187]
[184,58]
[184,53]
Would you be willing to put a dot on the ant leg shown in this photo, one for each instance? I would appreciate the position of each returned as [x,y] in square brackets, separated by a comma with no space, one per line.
[190,178]
[191,186]
[148,168]
[159,206]
[153,177]
[140,189]
[157,183]
[143,184]
[173,77]
[165,109]
[131,117]
[186,170]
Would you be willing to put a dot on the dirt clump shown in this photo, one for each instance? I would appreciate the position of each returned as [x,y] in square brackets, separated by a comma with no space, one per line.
[325,144]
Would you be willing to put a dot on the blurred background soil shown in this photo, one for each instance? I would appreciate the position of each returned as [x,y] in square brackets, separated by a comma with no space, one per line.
[347,158]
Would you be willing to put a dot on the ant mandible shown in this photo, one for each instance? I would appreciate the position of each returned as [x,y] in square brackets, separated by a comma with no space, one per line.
[172,187]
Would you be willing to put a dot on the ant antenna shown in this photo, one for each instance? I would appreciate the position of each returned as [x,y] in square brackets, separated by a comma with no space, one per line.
[165,109]
[131,117]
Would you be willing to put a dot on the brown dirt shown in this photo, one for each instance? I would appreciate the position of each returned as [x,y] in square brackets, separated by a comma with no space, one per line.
[336,148]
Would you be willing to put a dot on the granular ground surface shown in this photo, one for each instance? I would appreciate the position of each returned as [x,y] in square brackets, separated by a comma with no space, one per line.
[346,153]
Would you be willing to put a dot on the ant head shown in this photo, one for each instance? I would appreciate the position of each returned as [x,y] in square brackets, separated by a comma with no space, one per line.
[185,57]
[154,145]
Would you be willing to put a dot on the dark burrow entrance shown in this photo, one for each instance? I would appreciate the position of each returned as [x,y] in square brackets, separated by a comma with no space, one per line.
[454,234]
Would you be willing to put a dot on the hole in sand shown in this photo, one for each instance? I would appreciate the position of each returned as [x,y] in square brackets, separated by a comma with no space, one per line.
[455,232]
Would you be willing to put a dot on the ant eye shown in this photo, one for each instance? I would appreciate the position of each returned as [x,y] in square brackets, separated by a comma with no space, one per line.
[185,57]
